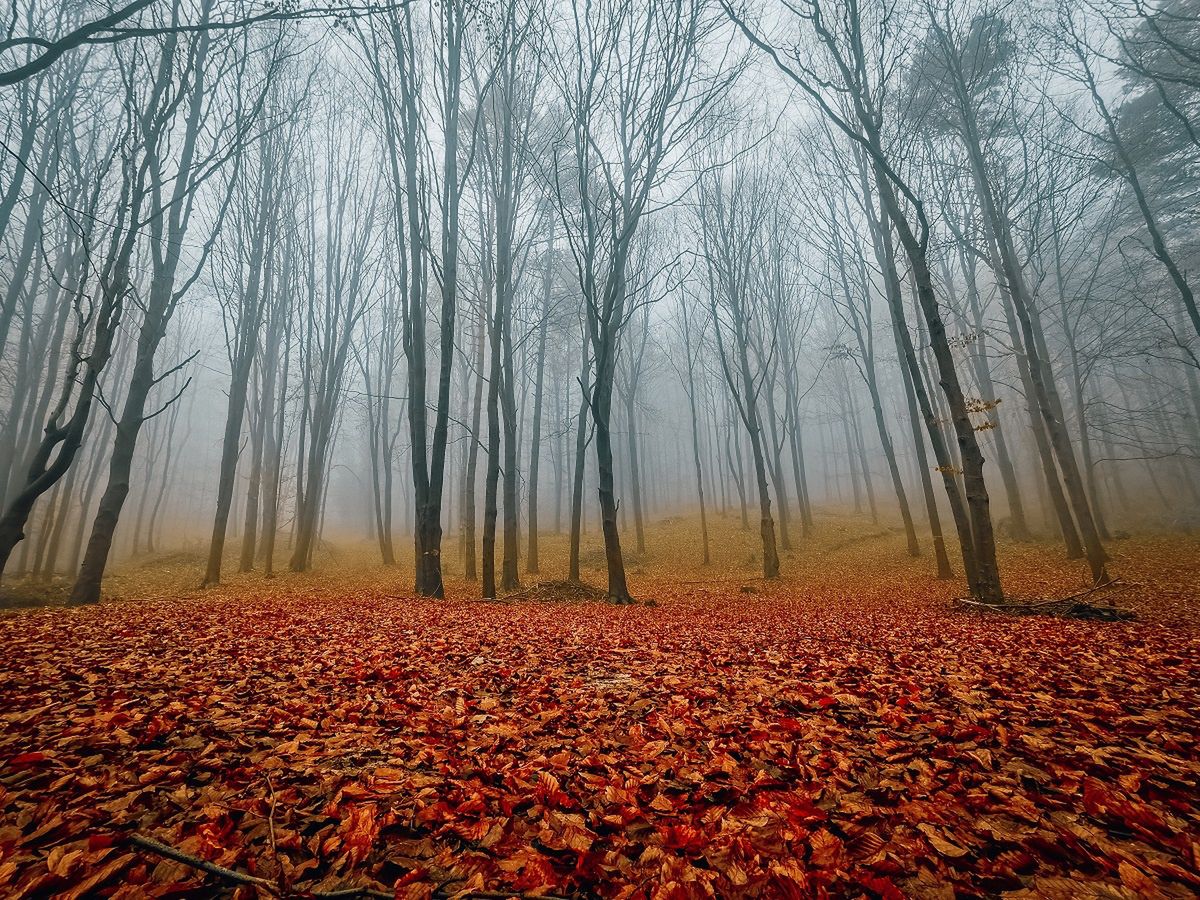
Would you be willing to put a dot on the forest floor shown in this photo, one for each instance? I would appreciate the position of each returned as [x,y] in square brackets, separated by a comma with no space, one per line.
[846,730]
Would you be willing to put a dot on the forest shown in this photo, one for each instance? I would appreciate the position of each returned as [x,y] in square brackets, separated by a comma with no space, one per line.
[645,449]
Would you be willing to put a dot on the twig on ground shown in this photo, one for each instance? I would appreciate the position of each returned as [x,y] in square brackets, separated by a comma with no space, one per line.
[147,843]
[211,868]
[439,893]
[352,892]
[271,816]
[727,580]
[1072,604]
[1116,585]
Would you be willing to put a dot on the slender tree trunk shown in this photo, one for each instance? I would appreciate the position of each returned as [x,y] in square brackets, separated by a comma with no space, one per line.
[635,469]
[531,557]
[796,440]
[253,494]
[849,454]
[104,527]
[166,480]
[509,578]
[983,374]
[601,403]
[747,409]
[54,537]
[864,466]
[917,410]
[889,455]
[227,478]
[468,514]
[580,466]
[560,462]
[492,472]
[274,455]
[778,478]
[979,537]
[691,392]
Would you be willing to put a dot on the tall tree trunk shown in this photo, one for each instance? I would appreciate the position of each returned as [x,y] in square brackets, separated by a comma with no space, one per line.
[133,415]
[535,447]
[635,467]
[492,472]
[560,461]
[227,477]
[601,403]
[54,536]
[889,454]
[468,500]
[580,465]
[849,455]
[253,493]
[863,465]
[733,452]
[981,562]
[914,390]
[748,411]
[691,392]
[796,441]
[775,460]
[509,578]
[274,464]
[983,374]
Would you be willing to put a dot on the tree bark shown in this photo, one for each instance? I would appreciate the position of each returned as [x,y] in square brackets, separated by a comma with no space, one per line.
[580,462]
[535,447]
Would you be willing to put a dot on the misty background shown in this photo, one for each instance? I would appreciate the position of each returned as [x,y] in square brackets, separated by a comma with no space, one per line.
[265,268]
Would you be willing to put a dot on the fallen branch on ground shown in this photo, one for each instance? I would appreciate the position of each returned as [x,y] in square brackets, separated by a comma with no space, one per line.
[1072,605]
[564,591]
[146,843]
[211,868]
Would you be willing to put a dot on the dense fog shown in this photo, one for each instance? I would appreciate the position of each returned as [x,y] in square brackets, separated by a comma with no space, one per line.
[432,278]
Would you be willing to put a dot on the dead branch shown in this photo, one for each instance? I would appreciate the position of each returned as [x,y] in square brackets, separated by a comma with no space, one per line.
[1070,605]
[211,868]
[727,580]
[195,862]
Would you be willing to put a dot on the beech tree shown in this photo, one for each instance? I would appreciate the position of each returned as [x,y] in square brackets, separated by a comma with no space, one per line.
[840,44]
[252,265]
[455,273]
[733,215]
[210,135]
[622,119]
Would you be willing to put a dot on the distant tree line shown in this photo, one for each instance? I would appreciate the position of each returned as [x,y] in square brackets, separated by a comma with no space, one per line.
[538,263]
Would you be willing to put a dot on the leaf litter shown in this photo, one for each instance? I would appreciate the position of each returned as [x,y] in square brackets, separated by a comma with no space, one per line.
[835,735]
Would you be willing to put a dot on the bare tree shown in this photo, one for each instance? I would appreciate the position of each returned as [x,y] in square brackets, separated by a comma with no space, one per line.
[732,212]
[211,134]
[244,307]
[692,331]
[636,91]
[839,44]
[341,280]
